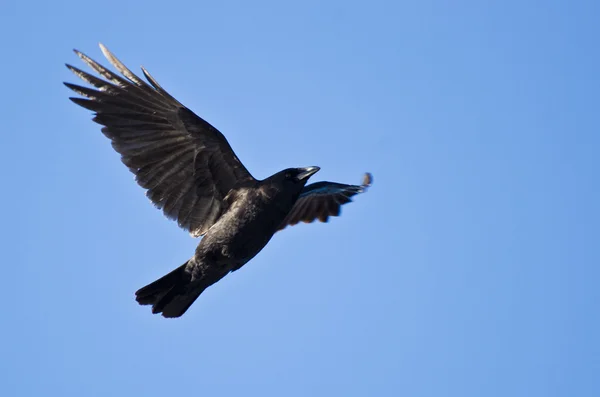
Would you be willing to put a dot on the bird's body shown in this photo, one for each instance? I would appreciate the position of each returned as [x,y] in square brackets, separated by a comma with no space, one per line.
[245,227]
[193,175]
[252,215]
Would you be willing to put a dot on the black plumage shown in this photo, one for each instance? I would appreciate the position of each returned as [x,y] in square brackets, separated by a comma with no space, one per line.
[190,172]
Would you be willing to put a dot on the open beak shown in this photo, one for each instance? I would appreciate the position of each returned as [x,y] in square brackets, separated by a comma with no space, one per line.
[307,173]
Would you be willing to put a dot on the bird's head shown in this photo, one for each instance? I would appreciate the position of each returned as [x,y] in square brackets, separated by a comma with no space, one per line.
[298,176]
[292,180]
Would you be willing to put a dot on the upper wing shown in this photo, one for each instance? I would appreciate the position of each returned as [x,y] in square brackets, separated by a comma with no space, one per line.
[322,200]
[186,165]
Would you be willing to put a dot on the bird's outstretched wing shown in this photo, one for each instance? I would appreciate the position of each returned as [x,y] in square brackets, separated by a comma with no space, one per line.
[323,199]
[186,165]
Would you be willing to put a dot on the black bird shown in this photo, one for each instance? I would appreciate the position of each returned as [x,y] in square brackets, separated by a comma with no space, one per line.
[193,175]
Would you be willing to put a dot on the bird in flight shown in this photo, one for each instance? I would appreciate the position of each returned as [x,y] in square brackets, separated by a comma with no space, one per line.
[192,174]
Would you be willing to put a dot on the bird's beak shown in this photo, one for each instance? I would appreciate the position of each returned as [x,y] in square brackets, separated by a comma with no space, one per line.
[307,173]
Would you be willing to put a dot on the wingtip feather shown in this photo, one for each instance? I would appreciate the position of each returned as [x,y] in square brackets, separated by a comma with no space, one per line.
[105,51]
[367,180]
[80,54]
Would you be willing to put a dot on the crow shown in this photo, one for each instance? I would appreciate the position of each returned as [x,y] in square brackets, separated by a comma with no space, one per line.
[190,171]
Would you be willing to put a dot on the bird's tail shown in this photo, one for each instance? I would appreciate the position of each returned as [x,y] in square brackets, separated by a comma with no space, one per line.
[171,294]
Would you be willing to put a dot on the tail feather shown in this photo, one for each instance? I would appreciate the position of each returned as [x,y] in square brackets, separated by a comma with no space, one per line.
[171,294]
[150,293]
[180,303]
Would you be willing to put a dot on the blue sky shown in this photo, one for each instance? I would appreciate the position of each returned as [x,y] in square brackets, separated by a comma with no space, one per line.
[469,269]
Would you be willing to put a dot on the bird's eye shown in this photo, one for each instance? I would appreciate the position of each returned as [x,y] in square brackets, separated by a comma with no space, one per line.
[288,175]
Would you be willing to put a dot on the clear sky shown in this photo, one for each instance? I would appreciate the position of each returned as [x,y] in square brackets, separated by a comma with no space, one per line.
[469,269]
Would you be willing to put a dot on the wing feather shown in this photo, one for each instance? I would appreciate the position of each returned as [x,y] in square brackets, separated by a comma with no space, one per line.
[185,164]
[322,200]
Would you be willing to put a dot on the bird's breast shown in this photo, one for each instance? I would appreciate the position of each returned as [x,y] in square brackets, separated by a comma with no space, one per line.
[243,230]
